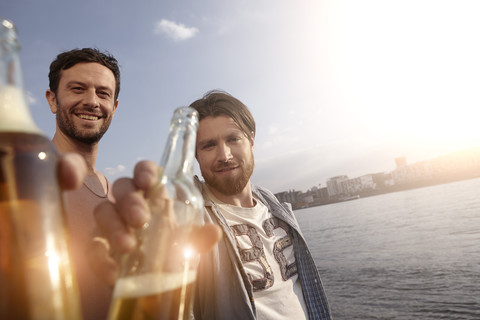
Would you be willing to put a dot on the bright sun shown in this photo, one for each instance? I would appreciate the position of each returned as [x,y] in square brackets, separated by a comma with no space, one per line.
[409,70]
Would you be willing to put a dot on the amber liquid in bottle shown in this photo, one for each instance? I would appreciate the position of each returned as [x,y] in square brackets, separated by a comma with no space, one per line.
[36,281]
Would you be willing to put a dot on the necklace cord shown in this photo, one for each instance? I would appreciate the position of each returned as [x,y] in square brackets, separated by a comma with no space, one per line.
[98,195]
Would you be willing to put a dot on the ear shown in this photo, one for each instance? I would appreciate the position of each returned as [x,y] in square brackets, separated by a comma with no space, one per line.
[115,105]
[252,140]
[52,100]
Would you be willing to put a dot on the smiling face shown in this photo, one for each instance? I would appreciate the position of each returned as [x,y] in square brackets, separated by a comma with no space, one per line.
[225,155]
[84,103]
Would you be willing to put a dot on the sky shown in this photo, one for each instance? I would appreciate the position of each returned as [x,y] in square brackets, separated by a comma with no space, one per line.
[337,87]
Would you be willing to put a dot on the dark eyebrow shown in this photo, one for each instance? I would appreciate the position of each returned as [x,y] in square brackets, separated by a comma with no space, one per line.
[75,83]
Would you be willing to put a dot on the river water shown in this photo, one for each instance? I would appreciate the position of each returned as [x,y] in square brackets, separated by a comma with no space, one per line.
[413,254]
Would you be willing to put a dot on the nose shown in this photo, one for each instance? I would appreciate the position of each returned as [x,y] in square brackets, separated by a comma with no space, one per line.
[224,153]
[91,99]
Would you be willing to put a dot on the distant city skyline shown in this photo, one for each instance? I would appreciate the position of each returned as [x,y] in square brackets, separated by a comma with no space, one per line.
[398,161]
[444,169]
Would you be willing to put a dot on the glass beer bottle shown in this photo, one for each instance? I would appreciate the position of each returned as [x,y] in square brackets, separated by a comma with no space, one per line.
[36,280]
[158,277]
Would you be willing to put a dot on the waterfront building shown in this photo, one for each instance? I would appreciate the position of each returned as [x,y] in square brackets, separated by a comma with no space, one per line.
[335,187]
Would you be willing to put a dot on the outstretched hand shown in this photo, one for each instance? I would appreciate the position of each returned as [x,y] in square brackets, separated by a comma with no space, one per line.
[118,220]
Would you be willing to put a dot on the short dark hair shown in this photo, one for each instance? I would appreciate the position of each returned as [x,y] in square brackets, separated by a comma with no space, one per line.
[68,59]
[216,102]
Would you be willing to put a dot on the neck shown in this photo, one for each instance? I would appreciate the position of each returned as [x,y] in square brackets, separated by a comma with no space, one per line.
[242,199]
[66,144]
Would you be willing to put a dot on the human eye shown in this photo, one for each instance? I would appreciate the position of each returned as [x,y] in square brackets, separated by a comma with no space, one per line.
[206,146]
[234,139]
[77,89]
[105,94]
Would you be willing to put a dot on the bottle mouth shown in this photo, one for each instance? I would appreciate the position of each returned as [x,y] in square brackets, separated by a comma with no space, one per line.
[7,24]
[185,114]
[9,33]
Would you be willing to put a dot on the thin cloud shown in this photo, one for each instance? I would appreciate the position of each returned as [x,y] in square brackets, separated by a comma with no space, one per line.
[175,31]
[112,172]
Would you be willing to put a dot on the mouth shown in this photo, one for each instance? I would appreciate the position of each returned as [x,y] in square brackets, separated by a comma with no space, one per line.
[88,117]
[226,169]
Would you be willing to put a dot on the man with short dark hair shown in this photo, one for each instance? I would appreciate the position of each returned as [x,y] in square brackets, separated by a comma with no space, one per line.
[84,87]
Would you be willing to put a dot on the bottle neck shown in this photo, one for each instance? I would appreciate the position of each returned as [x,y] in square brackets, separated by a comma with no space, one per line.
[14,112]
[10,71]
[179,155]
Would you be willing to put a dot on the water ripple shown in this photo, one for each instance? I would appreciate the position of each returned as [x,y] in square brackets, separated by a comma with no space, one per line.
[407,255]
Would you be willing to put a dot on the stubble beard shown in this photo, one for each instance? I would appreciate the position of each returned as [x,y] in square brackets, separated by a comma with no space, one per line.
[233,185]
[66,125]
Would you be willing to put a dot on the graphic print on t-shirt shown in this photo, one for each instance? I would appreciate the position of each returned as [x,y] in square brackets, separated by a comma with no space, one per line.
[277,239]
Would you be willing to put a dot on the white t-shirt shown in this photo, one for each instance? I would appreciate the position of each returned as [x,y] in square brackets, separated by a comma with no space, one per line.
[265,245]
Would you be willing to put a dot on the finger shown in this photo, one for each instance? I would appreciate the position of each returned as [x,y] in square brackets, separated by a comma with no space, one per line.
[130,203]
[145,174]
[71,171]
[110,223]
[206,237]
[101,263]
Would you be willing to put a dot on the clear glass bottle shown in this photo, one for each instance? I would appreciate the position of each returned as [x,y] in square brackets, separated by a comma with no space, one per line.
[36,280]
[157,279]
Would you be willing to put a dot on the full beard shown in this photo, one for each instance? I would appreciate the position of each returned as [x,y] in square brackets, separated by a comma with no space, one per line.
[231,185]
[67,126]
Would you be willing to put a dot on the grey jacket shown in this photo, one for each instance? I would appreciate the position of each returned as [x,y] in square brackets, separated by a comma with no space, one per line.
[223,289]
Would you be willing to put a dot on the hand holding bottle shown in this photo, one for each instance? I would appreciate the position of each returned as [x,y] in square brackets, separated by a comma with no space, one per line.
[156,278]
[118,222]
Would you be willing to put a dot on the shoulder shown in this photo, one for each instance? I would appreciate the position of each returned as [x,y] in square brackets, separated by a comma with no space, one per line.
[268,197]
[262,190]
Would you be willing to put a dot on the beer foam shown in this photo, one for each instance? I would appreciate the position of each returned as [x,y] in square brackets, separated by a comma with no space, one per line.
[14,113]
[149,284]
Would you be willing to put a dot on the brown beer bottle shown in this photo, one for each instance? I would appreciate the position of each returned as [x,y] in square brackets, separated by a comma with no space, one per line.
[36,280]
[158,278]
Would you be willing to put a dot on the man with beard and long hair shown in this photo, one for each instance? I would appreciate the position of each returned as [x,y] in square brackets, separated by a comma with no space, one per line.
[83,94]
[261,268]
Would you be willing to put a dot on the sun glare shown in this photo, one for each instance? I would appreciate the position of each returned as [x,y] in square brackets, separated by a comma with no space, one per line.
[407,74]
[188,253]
